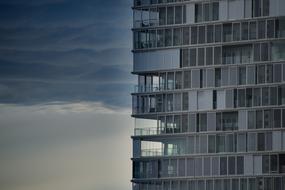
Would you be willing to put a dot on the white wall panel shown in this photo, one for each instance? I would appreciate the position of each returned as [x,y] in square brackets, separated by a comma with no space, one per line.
[190,13]
[248,164]
[236,9]
[242,120]
[223,10]
[205,100]
[276,138]
[221,99]
[193,100]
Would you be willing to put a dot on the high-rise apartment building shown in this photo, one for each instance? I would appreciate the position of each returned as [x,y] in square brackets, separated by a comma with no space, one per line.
[209,106]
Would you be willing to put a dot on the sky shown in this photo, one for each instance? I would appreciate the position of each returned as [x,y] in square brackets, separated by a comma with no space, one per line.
[65,104]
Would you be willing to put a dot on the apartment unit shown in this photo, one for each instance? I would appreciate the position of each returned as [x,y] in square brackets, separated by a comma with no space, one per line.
[209,106]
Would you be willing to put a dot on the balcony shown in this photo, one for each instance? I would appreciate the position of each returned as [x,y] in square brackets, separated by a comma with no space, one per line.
[146,23]
[147,88]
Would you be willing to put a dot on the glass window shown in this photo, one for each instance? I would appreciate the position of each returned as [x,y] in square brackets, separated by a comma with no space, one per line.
[218,184]
[181,167]
[202,121]
[192,122]
[217,55]
[264,51]
[256,96]
[194,35]
[177,39]
[215,166]
[211,143]
[241,142]
[243,184]
[198,13]
[193,58]
[265,96]
[227,32]
[273,164]
[185,35]
[217,77]
[235,184]
[162,15]
[268,141]
[265,164]
[220,143]
[250,75]
[190,167]
[209,56]
[178,80]
[232,165]
[209,185]
[206,8]
[277,72]
[170,15]
[184,123]
[201,39]
[223,166]
[169,102]
[273,95]
[210,34]
[191,145]
[260,74]
[252,30]
[256,52]
[215,11]
[207,166]
[178,15]
[195,78]
[168,37]
[187,79]
[236,31]
[240,165]
[198,166]
[242,75]
[241,97]
[160,38]
[244,30]
[259,119]
[185,57]
[218,33]
[230,121]
[249,97]
[260,142]
[270,28]
[261,29]
[201,56]
[185,101]
[251,143]
[251,119]
[277,118]
[177,102]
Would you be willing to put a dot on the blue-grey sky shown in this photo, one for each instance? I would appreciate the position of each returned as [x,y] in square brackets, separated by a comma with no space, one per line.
[65,100]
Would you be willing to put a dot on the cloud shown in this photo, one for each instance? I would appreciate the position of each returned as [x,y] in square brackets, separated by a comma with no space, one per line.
[65,51]
[67,146]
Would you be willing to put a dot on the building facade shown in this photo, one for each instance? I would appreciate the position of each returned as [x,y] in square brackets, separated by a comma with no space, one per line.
[209,106]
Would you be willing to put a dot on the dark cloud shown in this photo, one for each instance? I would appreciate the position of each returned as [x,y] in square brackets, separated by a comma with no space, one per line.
[65,50]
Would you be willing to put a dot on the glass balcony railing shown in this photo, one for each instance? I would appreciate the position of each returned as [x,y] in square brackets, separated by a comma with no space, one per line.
[162,152]
[157,131]
[147,88]
[146,23]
